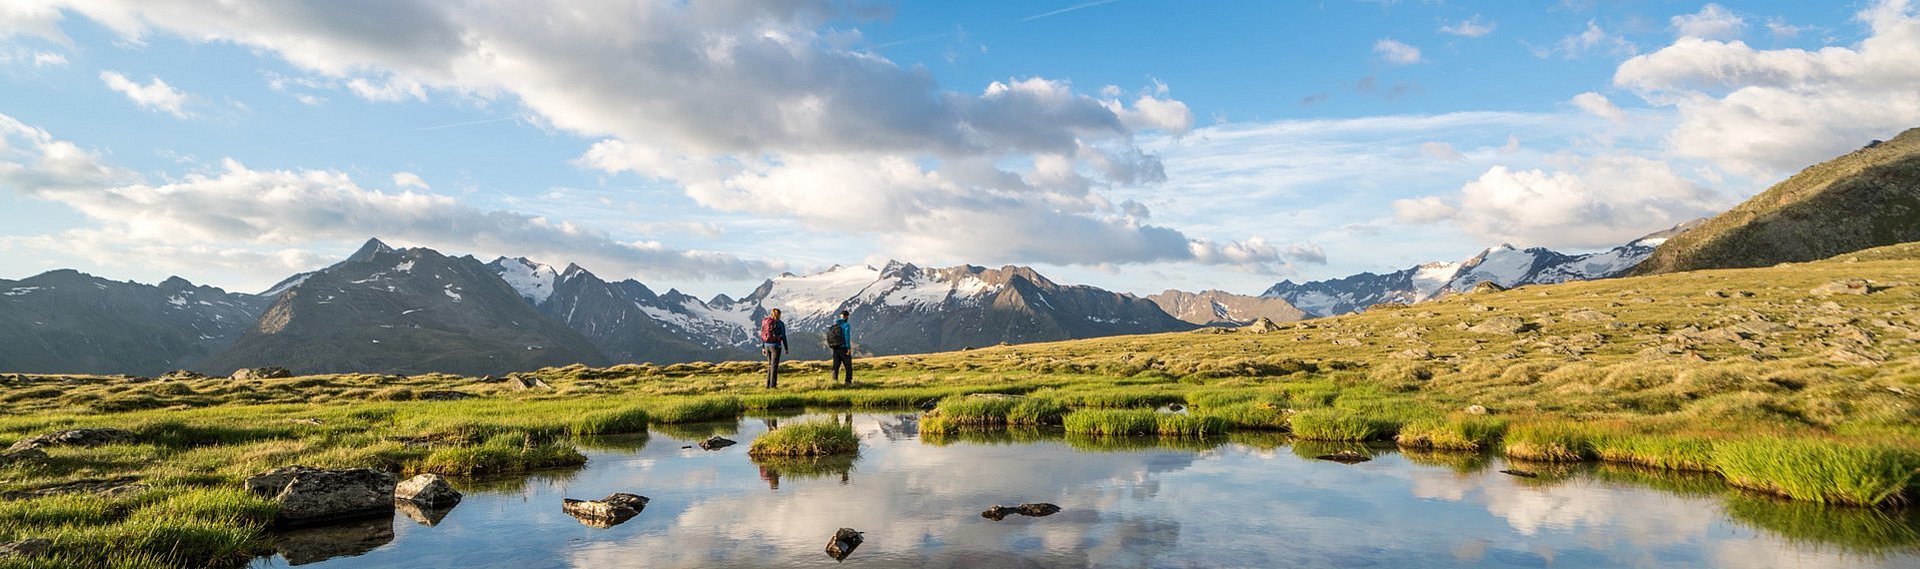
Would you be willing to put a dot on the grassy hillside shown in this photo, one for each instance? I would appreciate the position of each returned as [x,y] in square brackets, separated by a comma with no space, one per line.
[1747,375]
[1866,198]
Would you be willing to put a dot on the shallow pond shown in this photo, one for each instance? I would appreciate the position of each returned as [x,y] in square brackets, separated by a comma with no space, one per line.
[1241,501]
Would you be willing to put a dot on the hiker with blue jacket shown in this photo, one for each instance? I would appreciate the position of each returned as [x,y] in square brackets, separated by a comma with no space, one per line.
[840,343]
[773,343]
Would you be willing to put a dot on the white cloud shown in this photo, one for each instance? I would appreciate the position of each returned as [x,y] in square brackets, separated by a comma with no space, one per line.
[726,98]
[26,57]
[1395,52]
[1598,105]
[409,180]
[280,211]
[48,59]
[1442,151]
[1593,40]
[1764,113]
[1783,30]
[1711,22]
[1599,201]
[1468,28]
[155,95]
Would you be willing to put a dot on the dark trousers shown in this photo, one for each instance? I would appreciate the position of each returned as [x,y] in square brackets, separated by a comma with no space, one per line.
[773,365]
[842,357]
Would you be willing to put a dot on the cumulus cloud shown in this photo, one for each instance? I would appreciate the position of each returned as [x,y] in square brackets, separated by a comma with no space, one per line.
[1469,28]
[1599,105]
[1764,113]
[409,180]
[1598,201]
[154,95]
[731,100]
[1395,52]
[273,212]
[1711,22]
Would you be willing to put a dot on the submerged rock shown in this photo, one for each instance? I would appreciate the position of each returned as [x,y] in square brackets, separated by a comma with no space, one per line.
[311,495]
[28,547]
[316,544]
[1034,510]
[606,512]
[75,438]
[716,442]
[430,490]
[843,543]
[1520,473]
[1345,457]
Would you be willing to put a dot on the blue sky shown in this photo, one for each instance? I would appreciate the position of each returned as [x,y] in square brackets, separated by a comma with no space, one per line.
[1136,145]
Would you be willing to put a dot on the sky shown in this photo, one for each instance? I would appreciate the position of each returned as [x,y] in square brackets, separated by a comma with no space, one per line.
[1135,145]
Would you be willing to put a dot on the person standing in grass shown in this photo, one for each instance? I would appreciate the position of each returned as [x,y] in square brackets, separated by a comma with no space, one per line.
[773,343]
[840,343]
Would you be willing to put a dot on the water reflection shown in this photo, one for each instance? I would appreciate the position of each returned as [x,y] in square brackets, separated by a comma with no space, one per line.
[1239,500]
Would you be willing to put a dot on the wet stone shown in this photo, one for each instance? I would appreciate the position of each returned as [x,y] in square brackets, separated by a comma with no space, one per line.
[314,496]
[1345,457]
[429,490]
[1033,509]
[716,442]
[843,543]
[606,512]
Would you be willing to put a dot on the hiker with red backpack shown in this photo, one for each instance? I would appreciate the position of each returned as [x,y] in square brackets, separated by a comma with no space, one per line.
[773,343]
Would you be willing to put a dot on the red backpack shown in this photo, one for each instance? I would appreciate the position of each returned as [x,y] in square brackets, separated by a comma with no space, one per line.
[766,330]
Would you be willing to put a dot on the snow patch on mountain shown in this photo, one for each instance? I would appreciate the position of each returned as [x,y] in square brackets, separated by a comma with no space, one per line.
[534,281]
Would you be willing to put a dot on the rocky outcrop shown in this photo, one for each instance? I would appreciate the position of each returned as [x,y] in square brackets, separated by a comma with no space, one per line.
[75,438]
[430,490]
[605,512]
[267,372]
[843,543]
[313,496]
[1849,286]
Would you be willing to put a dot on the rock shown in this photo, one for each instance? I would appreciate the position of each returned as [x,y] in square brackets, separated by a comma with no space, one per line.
[442,395]
[1761,328]
[716,442]
[1261,326]
[1037,509]
[430,490]
[1854,358]
[426,516]
[1476,410]
[10,457]
[527,383]
[843,543]
[606,512]
[28,547]
[929,404]
[1500,325]
[107,488]
[1488,286]
[268,372]
[1348,342]
[1520,473]
[1345,457]
[1412,354]
[1175,407]
[181,374]
[312,495]
[1848,286]
[320,543]
[75,438]
[306,421]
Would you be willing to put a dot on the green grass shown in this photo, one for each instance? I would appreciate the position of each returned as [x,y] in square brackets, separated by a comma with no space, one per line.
[618,421]
[1656,451]
[501,454]
[1552,442]
[955,413]
[1249,415]
[698,410]
[1340,425]
[1463,433]
[1178,425]
[815,438]
[1112,422]
[1818,471]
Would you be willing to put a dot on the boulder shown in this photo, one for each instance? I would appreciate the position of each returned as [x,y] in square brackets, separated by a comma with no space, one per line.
[1500,325]
[28,547]
[1412,354]
[312,495]
[1848,286]
[430,490]
[181,374]
[716,442]
[8,458]
[1345,457]
[606,512]
[268,372]
[105,488]
[442,395]
[1476,410]
[843,543]
[526,383]
[1261,326]
[1035,510]
[1589,316]
[75,438]
[1488,286]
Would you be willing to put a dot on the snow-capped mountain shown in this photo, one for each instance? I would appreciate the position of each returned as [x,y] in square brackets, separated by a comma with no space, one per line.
[66,321]
[1220,308]
[624,320]
[403,311]
[1504,265]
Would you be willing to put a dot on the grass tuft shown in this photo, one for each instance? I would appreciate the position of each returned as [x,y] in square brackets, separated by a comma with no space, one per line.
[1819,471]
[816,438]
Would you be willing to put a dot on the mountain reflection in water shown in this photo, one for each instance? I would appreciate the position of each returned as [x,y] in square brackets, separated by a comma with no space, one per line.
[1243,500]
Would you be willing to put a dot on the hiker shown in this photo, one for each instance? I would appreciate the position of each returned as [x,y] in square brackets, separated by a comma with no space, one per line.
[840,343]
[773,342]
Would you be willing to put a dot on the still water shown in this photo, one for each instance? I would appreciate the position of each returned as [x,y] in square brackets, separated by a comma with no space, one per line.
[1243,501]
